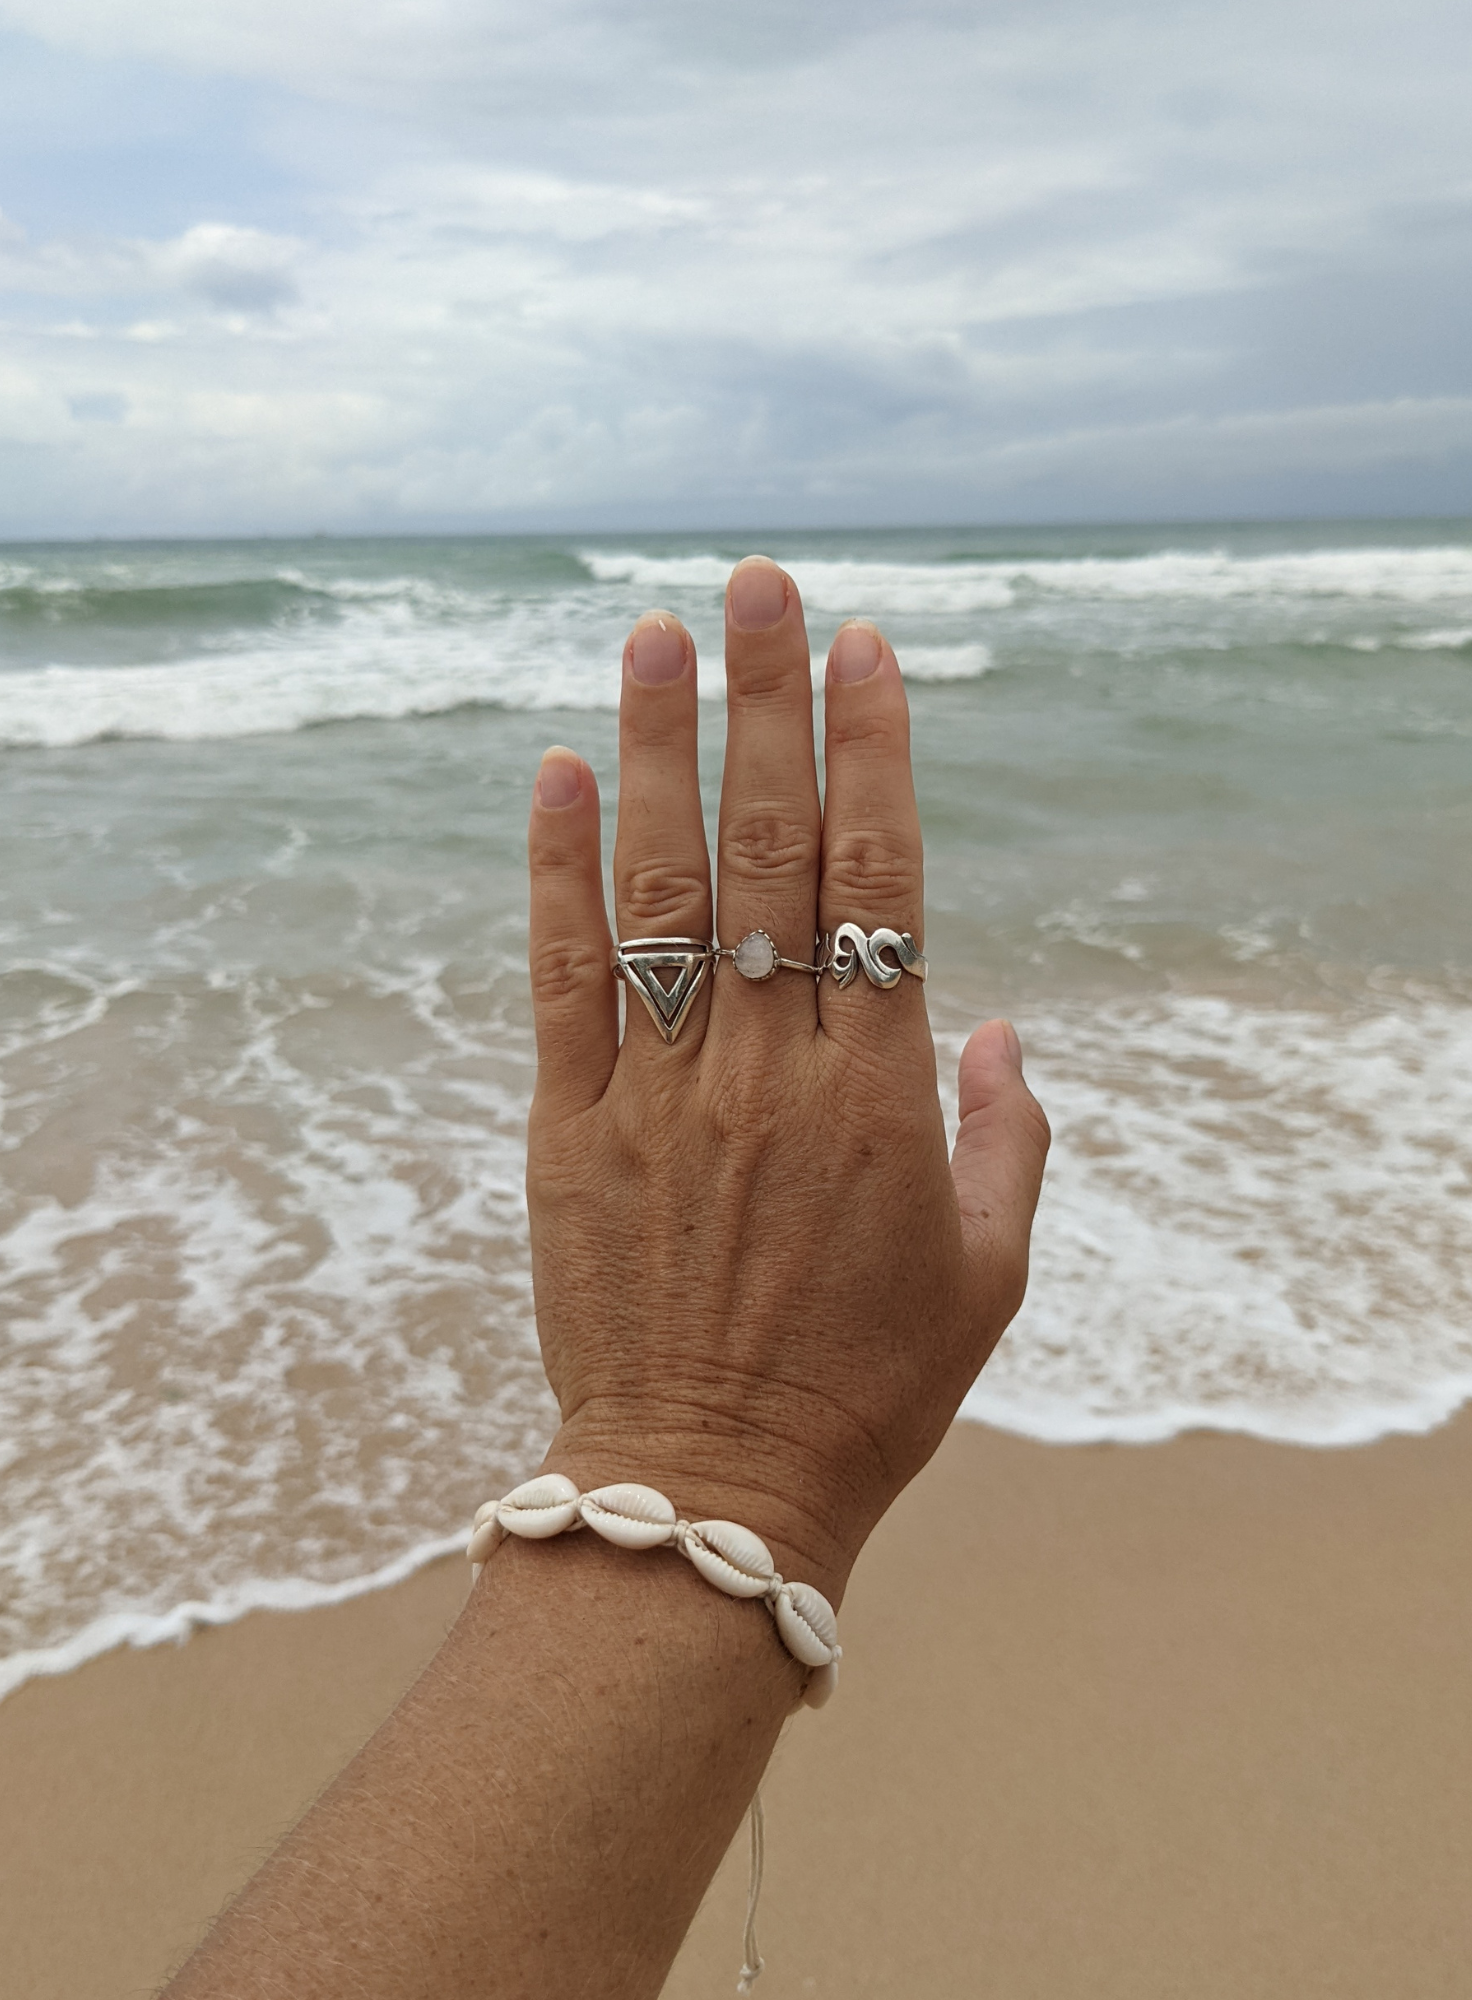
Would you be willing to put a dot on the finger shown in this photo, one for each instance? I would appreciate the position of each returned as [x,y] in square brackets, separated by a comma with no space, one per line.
[997,1165]
[770,825]
[873,865]
[661,866]
[573,998]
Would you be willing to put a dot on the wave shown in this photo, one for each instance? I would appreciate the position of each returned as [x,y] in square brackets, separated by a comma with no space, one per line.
[142,1628]
[946,663]
[381,672]
[1457,640]
[32,603]
[218,657]
[849,585]
[380,665]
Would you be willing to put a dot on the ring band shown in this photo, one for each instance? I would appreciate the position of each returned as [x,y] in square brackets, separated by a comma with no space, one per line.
[757,958]
[637,960]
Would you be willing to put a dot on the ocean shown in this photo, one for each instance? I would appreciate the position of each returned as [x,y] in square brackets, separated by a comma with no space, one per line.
[1198,804]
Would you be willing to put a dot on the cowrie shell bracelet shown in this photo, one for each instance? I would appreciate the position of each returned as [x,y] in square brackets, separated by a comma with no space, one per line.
[637,1517]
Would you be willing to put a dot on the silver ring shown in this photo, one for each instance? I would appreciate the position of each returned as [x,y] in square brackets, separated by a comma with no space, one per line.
[757,958]
[637,960]
[852,948]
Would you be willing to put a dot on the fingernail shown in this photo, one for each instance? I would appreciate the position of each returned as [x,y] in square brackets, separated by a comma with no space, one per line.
[657,650]
[1013,1045]
[855,653]
[758,595]
[560,778]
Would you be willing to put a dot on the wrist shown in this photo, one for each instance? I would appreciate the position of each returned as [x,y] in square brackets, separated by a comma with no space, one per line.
[785,1494]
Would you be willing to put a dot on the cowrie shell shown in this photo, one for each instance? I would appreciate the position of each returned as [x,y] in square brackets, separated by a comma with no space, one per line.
[807,1624]
[633,1517]
[484,1538]
[731,1557]
[822,1683]
[542,1507]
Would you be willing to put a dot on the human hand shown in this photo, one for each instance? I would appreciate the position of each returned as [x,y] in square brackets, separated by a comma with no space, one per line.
[760,1285]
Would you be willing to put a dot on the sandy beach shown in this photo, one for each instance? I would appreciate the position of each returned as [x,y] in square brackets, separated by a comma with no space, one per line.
[1116,1721]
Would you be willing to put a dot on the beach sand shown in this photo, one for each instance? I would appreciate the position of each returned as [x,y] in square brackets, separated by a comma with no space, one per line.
[1186,1720]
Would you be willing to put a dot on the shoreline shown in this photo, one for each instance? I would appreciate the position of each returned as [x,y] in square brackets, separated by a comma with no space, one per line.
[141,1630]
[1116,1724]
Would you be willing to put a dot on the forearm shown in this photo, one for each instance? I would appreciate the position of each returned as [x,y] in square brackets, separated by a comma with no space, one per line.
[543,1812]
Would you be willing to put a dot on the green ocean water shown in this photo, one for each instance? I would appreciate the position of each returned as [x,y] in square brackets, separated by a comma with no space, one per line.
[1198,806]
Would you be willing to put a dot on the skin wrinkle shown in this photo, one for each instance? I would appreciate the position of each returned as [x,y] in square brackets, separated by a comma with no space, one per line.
[726,1236]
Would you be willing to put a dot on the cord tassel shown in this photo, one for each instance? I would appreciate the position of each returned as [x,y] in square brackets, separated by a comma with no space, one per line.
[752,1967]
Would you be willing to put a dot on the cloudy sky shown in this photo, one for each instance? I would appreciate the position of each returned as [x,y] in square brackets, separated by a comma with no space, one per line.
[277,265]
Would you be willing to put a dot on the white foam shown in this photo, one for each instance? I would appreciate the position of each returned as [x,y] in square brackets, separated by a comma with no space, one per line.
[848,586]
[1454,640]
[386,662]
[855,586]
[239,1368]
[125,1628]
[1254,1220]
[946,663]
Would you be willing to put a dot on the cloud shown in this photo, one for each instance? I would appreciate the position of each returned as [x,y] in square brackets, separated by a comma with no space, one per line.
[791,264]
[220,265]
[232,269]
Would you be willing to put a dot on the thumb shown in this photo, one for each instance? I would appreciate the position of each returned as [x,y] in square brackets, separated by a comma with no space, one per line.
[997,1164]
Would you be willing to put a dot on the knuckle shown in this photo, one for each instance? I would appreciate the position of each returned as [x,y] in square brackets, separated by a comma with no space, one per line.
[656,891]
[656,726]
[765,676]
[565,969]
[881,869]
[556,859]
[1007,1273]
[1036,1130]
[769,843]
[871,730]
[907,1106]
[741,1116]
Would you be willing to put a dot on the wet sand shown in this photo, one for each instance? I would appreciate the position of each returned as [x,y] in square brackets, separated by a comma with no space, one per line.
[1116,1724]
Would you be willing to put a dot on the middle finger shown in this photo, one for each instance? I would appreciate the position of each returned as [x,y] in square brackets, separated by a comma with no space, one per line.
[771,824]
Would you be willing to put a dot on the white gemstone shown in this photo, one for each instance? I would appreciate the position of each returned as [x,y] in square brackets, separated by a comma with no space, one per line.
[755,956]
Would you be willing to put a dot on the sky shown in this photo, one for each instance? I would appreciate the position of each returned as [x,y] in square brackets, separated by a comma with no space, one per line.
[279,266]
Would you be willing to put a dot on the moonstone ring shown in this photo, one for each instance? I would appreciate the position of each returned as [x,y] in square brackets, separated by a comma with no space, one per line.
[757,958]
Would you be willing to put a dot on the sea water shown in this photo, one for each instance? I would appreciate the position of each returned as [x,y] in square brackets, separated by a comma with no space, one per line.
[1198,806]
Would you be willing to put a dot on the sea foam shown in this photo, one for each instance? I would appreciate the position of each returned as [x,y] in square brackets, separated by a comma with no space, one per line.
[1255,1219]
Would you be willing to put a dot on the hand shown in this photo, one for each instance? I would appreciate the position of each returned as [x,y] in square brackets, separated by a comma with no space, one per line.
[760,1285]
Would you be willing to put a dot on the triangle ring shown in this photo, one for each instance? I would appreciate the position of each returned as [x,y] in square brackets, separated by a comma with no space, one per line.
[637,960]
